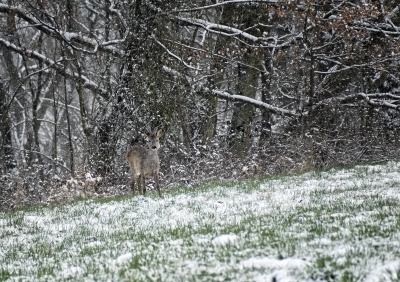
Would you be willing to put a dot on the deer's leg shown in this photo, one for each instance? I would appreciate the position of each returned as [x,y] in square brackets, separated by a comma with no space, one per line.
[157,184]
[133,184]
[139,183]
[144,185]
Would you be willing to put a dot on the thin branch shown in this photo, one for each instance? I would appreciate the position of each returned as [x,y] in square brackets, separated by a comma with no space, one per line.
[61,104]
[237,33]
[345,67]
[230,2]
[387,100]
[254,102]
[175,56]
[215,55]
[220,29]
[86,82]
[43,155]
[68,37]
[227,96]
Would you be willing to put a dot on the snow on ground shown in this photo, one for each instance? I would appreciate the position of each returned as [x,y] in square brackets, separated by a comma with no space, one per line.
[315,226]
[225,239]
[389,271]
[274,263]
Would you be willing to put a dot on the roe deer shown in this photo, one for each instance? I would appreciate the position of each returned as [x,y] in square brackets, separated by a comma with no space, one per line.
[145,162]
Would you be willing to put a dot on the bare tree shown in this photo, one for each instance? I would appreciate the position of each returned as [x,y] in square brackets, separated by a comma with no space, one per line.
[272,85]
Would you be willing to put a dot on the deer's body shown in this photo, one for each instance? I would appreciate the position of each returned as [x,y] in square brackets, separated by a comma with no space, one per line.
[144,162]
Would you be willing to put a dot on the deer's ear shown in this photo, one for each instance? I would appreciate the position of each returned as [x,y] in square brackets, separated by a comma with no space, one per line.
[159,133]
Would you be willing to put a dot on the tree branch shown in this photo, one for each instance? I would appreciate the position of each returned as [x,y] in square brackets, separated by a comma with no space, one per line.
[232,2]
[236,33]
[173,55]
[387,100]
[254,102]
[69,37]
[227,96]
[86,82]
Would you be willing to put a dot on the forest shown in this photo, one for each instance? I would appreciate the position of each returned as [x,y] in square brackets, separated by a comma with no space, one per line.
[240,89]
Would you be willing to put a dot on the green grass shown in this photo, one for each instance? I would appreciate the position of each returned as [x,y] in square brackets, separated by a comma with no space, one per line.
[332,225]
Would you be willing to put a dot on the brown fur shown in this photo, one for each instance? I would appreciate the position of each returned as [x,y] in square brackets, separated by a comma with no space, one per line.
[145,162]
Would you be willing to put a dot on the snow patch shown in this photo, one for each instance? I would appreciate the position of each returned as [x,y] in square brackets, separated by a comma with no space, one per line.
[123,258]
[385,272]
[273,263]
[72,271]
[92,226]
[322,241]
[191,264]
[278,276]
[225,239]
[340,251]
[94,244]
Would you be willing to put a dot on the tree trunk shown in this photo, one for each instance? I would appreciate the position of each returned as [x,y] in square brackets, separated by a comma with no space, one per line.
[6,151]
[69,132]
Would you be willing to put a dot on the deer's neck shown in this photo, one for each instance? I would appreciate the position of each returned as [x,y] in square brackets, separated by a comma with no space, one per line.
[152,153]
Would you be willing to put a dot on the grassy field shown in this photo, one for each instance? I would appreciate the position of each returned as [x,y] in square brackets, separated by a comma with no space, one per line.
[338,225]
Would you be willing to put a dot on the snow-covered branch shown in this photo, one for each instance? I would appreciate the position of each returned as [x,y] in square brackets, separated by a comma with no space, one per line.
[59,164]
[230,2]
[220,29]
[227,96]
[254,102]
[385,28]
[69,37]
[344,67]
[269,42]
[58,67]
[387,100]
[173,55]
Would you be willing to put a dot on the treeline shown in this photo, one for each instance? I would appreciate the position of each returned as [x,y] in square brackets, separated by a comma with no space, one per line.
[239,88]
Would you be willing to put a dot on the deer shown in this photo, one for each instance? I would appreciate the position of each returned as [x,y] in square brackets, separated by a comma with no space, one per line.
[144,162]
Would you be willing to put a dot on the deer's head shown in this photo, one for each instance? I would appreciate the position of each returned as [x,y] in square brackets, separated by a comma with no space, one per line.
[153,139]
